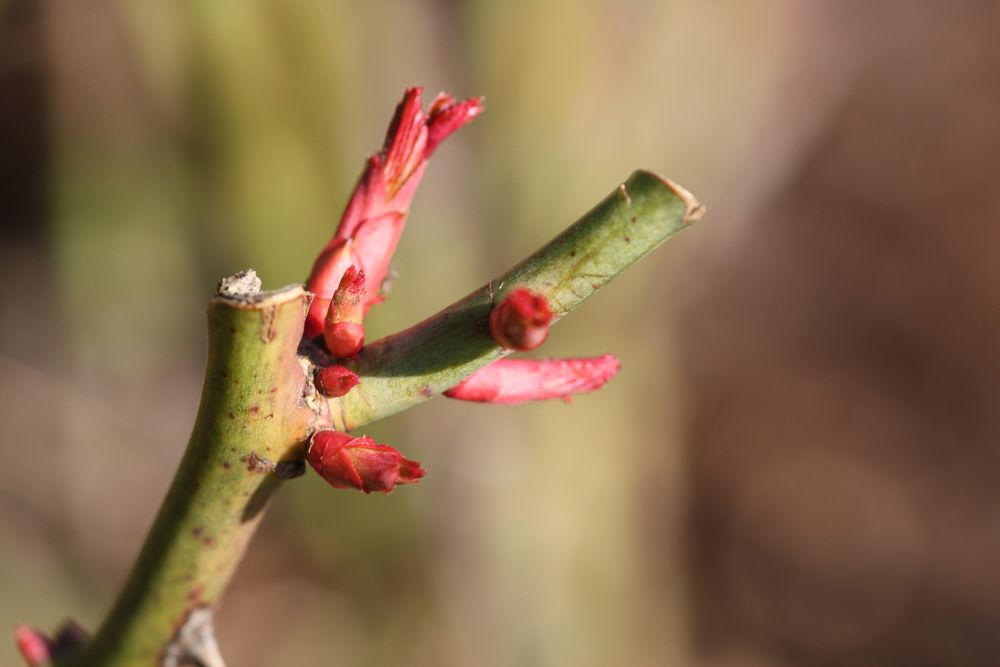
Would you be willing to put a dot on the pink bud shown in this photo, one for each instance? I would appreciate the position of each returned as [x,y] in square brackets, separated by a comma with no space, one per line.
[521,321]
[35,647]
[511,381]
[336,381]
[343,328]
[359,463]
[326,275]
[376,212]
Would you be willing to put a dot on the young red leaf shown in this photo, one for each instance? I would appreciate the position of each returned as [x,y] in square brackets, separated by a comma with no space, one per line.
[512,381]
[376,213]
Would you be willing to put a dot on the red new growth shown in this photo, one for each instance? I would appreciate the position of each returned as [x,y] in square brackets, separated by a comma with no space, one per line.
[360,463]
[521,321]
[35,648]
[512,381]
[39,649]
[373,220]
[343,328]
[335,381]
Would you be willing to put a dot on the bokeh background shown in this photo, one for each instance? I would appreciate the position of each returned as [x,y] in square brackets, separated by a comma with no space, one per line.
[799,463]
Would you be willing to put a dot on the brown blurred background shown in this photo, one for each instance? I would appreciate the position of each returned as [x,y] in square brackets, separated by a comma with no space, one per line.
[799,461]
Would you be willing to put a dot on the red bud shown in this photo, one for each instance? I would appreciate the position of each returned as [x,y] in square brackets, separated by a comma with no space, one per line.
[35,647]
[336,381]
[360,463]
[521,321]
[374,218]
[327,273]
[511,381]
[343,328]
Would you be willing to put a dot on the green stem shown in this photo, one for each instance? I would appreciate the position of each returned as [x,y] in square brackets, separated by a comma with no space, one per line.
[251,412]
[409,367]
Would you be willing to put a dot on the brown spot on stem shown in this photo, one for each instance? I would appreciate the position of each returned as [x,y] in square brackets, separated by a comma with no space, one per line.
[268,324]
[257,463]
[194,594]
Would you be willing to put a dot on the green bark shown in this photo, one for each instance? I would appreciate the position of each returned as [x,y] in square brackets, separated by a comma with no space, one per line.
[251,411]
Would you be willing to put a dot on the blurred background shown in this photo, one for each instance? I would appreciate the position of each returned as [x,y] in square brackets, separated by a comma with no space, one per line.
[799,462]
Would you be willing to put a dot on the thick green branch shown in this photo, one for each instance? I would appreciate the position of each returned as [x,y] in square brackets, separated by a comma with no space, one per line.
[436,354]
[251,416]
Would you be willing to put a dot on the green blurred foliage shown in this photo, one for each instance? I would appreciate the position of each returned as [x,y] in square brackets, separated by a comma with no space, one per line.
[192,139]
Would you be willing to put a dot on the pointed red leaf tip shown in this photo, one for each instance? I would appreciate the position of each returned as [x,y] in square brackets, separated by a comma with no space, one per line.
[336,381]
[346,462]
[512,381]
[521,321]
[34,646]
[343,327]
[447,115]
[405,146]
[37,648]
[373,221]
[329,269]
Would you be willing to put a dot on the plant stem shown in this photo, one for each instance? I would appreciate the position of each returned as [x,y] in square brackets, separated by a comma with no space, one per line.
[251,413]
[257,411]
[409,367]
